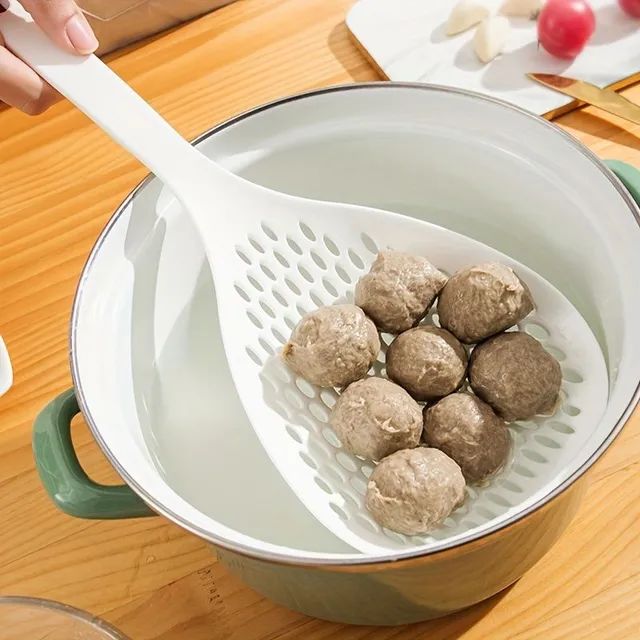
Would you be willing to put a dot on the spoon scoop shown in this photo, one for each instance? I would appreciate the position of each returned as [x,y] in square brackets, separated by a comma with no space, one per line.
[274,257]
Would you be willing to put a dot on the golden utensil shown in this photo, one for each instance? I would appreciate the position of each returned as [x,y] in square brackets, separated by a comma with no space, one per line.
[588,93]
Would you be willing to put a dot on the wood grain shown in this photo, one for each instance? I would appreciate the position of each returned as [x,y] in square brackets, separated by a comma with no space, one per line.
[61,179]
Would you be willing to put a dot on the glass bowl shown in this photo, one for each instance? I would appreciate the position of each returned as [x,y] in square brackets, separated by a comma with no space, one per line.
[37,619]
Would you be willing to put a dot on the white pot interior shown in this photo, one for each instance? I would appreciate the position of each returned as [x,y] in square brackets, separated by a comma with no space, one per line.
[147,354]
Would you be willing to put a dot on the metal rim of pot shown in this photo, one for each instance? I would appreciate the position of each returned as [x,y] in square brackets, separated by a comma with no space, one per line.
[392,557]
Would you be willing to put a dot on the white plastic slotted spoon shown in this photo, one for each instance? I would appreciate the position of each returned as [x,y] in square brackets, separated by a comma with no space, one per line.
[274,257]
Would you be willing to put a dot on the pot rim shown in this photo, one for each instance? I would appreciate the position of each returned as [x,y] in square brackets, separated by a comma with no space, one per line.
[349,560]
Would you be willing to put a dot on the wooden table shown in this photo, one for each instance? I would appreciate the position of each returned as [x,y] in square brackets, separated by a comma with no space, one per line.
[61,180]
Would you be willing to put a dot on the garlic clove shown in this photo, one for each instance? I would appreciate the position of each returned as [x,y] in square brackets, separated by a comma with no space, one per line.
[466,14]
[490,38]
[521,8]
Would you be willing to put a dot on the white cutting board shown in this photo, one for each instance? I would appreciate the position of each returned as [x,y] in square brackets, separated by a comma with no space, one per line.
[407,42]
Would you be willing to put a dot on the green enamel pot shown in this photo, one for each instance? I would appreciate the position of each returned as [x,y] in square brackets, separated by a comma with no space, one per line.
[151,381]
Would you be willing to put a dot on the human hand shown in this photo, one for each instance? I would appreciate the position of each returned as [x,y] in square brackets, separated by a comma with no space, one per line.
[65,24]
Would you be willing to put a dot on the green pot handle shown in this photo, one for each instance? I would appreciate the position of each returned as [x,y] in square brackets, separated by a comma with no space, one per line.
[628,175]
[67,484]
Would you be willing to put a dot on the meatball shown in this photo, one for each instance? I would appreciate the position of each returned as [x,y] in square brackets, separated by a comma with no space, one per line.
[470,433]
[483,300]
[398,290]
[414,491]
[427,361]
[375,417]
[516,376]
[333,346]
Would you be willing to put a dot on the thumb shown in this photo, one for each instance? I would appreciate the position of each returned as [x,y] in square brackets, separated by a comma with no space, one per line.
[64,23]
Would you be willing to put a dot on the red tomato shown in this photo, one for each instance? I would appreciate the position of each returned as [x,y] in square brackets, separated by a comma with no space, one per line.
[565,26]
[631,7]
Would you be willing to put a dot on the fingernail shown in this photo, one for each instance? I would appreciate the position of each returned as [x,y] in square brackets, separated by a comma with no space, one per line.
[80,34]
[4,5]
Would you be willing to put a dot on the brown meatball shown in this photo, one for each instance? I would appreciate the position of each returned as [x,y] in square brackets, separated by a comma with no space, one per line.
[398,290]
[469,432]
[333,346]
[427,361]
[375,417]
[516,376]
[414,491]
[483,300]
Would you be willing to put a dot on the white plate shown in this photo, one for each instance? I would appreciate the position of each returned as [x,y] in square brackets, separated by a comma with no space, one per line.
[406,39]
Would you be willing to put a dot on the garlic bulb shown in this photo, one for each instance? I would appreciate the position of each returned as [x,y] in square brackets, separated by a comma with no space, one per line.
[466,14]
[491,38]
[521,8]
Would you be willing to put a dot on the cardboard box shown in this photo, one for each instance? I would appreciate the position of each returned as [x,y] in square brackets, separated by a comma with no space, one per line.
[118,23]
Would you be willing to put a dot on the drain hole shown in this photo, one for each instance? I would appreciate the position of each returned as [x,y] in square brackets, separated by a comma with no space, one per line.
[369,244]
[254,319]
[556,353]
[560,427]
[349,499]
[536,330]
[367,470]
[294,246]
[242,293]
[305,274]
[511,486]
[331,438]
[254,356]
[323,485]
[329,287]
[344,276]
[319,412]
[366,523]
[339,511]
[243,256]
[280,298]
[346,462]
[293,286]
[318,260]
[523,471]
[294,434]
[294,399]
[534,456]
[281,259]
[267,309]
[359,485]
[315,298]
[499,500]
[308,460]
[305,387]
[307,232]
[329,398]
[545,441]
[570,410]
[571,375]
[356,259]
[266,346]
[254,283]
[331,245]
[267,272]
[269,232]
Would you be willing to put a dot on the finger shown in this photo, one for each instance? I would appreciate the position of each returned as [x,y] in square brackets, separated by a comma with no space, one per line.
[64,23]
[21,87]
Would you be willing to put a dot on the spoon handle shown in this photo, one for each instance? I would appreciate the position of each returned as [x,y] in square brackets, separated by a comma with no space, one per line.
[111,103]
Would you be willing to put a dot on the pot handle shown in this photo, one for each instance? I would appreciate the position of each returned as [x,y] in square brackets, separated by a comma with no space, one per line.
[628,175]
[66,482]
